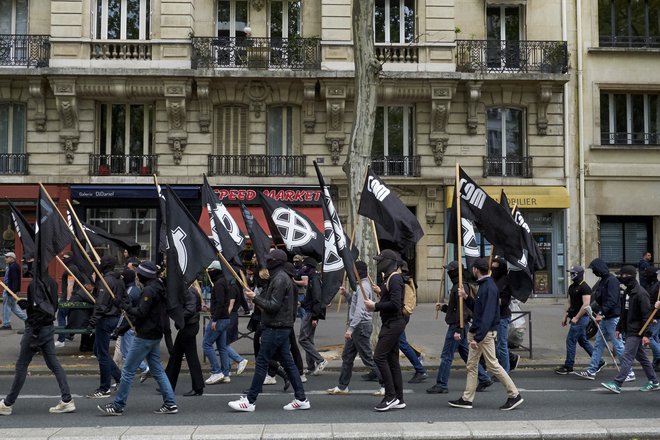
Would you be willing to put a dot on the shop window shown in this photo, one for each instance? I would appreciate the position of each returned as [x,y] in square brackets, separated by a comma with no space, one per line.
[629,23]
[394,21]
[122,19]
[131,224]
[629,119]
[506,142]
[231,130]
[623,240]
[393,144]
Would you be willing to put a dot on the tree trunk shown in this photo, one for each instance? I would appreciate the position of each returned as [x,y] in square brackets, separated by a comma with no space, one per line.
[367,69]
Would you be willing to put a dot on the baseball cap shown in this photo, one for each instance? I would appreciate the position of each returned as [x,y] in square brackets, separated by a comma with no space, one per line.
[388,254]
[10,254]
[276,254]
[627,270]
[576,269]
[453,265]
[481,264]
[215,265]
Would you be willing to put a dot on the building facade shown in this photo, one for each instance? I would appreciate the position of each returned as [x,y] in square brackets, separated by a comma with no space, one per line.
[96,96]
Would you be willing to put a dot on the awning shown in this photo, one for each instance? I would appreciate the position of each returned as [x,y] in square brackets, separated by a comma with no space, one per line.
[527,197]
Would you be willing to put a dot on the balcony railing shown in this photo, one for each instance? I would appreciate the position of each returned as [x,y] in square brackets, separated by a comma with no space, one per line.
[409,166]
[121,50]
[121,165]
[629,41]
[508,166]
[512,56]
[397,53]
[257,165]
[256,53]
[621,138]
[24,50]
[14,164]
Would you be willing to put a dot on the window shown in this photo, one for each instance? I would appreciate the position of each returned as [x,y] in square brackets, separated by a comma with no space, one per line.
[14,17]
[231,130]
[629,119]
[623,240]
[283,131]
[394,21]
[629,23]
[122,19]
[285,18]
[503,31]
[131,224]
[13,122]
[505,133]
[394,141]
[232,18]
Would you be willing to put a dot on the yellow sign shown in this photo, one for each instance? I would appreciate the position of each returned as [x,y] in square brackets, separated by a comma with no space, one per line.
[525,197]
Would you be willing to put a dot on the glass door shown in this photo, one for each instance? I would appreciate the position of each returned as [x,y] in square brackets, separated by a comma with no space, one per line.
[503,32]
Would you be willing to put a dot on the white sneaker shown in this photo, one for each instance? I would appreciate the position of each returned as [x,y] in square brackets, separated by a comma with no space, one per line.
[214,378]
[336,391]
[270,380]
[631,377]
[380,392]
[63,407]
[297,404]
[4,409]
[303,378]
[241,367]
[225,379]
[59,344]
[319,368]
[242,404]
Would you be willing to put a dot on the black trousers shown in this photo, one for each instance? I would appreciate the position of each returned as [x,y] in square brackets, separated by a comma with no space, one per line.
[386,357]
[186,343]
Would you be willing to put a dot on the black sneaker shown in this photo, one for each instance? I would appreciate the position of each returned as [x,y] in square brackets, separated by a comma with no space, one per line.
[370,377]
[513,363]
[386,405]
[512,402]
[99,394]
[563,370]
[601,365]
[167,409]
[110,409]
[460,403]
[418,378]
[437,389]
[483,385]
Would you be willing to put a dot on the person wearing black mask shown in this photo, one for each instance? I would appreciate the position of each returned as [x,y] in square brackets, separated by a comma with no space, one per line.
[635,311]
[314,311]
[386,355]
[499,273]
[579,298]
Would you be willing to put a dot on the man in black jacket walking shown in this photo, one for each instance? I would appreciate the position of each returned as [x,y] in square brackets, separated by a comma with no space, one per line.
[278,306]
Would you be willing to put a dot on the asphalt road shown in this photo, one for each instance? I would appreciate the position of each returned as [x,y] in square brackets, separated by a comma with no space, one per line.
[547,397]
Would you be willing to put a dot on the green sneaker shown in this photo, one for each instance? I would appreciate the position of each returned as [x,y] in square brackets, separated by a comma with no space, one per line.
[651,386]
[612,386]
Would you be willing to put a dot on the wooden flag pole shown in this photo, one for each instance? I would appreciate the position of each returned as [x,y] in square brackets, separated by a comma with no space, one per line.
[648,321]
[373,228]
[82,286]
[9,291]
[75,216]
[443,279]
[459,244]
[233,272]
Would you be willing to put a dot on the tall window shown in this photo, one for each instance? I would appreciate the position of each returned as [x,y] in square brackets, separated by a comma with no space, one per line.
[629,118]
[394,141]
[231,130]
[503,33]
[623,240]
[14,17]
[285,18]
[629,23]
[13,122]
[283,131]
[394,21]
[505,133]
[126,129]
[122,19]
[232,18]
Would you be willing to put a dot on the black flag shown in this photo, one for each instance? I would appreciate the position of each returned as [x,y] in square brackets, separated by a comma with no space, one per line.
[337,235]
[227,236]
[260,241]
[468,237]
[297,232]
[378,203]
[79,259]
[100,237]
[25,232]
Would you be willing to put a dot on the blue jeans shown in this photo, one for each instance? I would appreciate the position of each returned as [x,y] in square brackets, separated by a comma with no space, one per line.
[577,334]
[8,306]
[608,327]
[62,314]
[124,347]
[219,337]
[447,357]
[502,343]
[107,367]
[141,349]
[275,344]
[408,351]
[655,341]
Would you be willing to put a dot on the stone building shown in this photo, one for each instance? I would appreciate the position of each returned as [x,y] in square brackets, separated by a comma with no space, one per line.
[98,95]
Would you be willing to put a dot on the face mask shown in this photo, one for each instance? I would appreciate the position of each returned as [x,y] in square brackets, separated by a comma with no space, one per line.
[385,266]
[626,281]
[577,277]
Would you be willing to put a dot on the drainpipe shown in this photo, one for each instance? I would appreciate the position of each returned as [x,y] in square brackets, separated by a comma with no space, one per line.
[567,142]
[580,133]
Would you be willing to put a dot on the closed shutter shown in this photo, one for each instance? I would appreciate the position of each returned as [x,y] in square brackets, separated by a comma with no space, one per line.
[231,130]
[611,242]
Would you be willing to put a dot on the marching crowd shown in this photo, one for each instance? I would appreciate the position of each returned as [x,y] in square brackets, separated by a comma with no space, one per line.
[131,306]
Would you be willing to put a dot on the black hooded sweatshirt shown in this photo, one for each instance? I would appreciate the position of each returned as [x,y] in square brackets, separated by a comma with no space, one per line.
[606,292]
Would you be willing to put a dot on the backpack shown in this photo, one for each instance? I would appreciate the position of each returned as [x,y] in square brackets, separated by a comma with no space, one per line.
[409,296]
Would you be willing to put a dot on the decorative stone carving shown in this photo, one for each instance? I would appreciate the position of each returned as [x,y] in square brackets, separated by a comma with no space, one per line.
[431,206]
[203,86]
[257,91]
[258,4]
[545,96]
[335,104]
[37,88]
[441,97]
[67,107]
[309,106]
[175,103]
[473,96]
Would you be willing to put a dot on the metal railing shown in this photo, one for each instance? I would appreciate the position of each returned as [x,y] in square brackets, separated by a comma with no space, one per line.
[256,53]
[508,166]
[622,138]
[122,165]
[24,50]
[409,166]
[397,53]
[121,50]
[257,165]
[628,41]
[14,163]
[511,56]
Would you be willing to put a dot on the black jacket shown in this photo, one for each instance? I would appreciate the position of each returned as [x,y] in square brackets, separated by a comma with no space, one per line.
[150,315]
[312,303]
[453,315]
[606,291]
[220,297]
[37,317]
[635,310]
[485,309]
[391,298]
[278,301]
[192,306]
[106,305]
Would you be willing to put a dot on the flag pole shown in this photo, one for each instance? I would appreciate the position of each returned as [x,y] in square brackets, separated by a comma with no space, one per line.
[233,272]
[443,279]
[9,291]
[459,243]
[75,279]
[373,229]
[648,321]
[75,216]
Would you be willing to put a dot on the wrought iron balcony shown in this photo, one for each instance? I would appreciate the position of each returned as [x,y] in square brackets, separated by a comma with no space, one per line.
[622,138]
[121,165]
[508,166]
[409,166]
[511,56]
[256,53]
[24,50]
[14,164]
[261,165]
[629,41]
[397,53]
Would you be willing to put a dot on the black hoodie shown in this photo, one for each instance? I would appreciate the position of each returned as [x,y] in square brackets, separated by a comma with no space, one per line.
[606,292]
[635,311]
